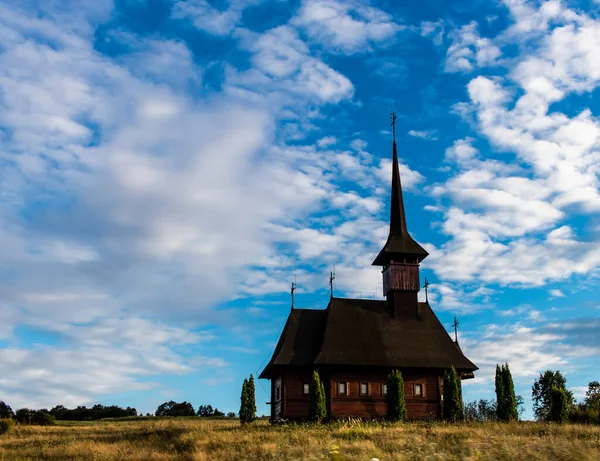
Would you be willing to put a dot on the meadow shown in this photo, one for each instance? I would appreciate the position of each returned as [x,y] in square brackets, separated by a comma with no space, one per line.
[202,439]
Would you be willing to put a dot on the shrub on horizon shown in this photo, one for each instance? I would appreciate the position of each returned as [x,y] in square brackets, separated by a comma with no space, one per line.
[6,411]
[6,425]
[558,406]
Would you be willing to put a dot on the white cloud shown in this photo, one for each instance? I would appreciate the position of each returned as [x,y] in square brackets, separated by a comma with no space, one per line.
[100,359]
[209,18]
[345,27]
[433,29]
[469,50]
[282,61]
[424,134]
[556,293]
[505,215]
[326,141]
[160,199]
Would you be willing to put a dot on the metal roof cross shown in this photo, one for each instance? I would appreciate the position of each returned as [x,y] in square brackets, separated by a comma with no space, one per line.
[455,325]
[331,279]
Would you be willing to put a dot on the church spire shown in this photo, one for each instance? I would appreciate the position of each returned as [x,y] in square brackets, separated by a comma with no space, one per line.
[399,242]
[401,255]
[397,215]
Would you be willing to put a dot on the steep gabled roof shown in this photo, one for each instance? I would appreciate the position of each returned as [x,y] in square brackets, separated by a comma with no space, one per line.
[300,339]
[362,332]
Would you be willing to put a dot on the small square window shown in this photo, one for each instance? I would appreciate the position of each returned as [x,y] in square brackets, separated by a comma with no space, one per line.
[418,390]
[364,389]
[305,389]
[341,388]
[384,388]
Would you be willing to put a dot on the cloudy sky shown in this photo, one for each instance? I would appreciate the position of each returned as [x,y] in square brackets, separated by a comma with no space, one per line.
[167,167]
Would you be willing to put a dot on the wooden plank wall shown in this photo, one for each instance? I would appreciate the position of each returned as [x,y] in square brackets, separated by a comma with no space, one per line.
[374,405]
[296,403]
[355,405]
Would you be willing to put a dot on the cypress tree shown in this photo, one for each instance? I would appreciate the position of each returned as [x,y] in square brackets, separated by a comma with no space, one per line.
[558,406]
[500,394]
[396,400]
[453,408]
[244,403]
[510,400]
[251,400]
[317,410]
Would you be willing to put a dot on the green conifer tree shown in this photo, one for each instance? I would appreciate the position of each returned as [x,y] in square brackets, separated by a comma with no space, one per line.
[251,400]
[396,399]
[558,406]
[500,399]
[510,399]
[453,408]
[244,403]
[317,410]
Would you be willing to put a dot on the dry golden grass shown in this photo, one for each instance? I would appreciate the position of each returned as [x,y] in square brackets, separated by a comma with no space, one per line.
[187,439]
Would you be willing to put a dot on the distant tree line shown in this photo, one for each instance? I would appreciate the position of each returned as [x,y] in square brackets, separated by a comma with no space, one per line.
[46,417]
[173,408]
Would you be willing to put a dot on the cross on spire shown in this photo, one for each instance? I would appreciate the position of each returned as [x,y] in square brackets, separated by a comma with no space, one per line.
[393,124]
[293,290]
[331,279]
[455,325]
[426,286]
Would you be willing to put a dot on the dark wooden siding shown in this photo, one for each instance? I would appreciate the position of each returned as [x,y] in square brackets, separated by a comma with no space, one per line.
[296,403]
[276,401]
[373,405]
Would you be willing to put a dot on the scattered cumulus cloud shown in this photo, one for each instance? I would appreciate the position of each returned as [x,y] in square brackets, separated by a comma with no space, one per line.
[345,27]
[430,135]
[469,50]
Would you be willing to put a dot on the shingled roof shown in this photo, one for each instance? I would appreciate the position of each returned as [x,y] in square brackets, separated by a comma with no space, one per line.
[362,332]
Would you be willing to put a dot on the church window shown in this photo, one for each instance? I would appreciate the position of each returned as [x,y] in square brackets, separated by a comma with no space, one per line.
[305,389]
[342,388]
[364,388]
[418,390]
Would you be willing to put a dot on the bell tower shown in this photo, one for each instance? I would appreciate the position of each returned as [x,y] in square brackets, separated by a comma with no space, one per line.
[401,255]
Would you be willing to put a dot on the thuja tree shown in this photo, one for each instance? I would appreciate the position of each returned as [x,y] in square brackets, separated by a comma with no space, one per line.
[248,402]
[244,402]
[506,401]
[453,407]
[499,393]
[558,405]
[510,399]
[317,410]
[251,402]
[396,400]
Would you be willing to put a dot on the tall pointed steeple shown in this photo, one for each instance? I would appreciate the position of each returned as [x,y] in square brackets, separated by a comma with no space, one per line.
[399,241]
[401,255]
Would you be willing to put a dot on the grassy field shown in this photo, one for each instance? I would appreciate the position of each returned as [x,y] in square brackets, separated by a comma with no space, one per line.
[185,439]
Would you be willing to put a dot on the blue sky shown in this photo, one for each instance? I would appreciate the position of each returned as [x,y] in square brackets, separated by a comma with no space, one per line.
[168,167]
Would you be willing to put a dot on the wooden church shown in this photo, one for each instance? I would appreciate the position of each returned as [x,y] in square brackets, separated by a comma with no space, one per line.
[355,343]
